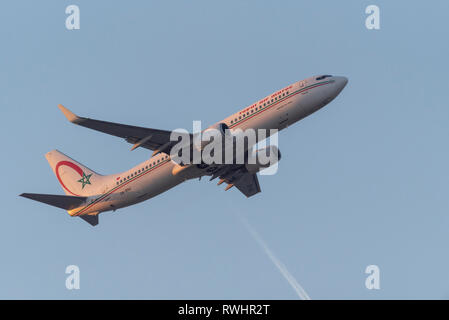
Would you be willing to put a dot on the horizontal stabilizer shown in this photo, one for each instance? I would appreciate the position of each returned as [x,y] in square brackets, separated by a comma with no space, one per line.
[60,201]
[92,220]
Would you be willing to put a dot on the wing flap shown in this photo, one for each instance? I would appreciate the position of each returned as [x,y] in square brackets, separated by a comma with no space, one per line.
[239,177]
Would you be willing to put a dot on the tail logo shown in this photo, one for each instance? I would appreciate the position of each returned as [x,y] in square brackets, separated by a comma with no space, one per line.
[85,179]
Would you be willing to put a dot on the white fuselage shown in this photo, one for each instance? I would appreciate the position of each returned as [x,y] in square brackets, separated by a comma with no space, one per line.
[156,175]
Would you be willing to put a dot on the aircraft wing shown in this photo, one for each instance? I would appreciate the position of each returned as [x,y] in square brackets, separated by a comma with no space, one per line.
[238,176]
[248,184]
[152,139]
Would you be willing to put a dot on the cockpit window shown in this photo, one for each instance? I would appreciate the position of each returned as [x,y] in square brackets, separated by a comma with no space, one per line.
[323,77]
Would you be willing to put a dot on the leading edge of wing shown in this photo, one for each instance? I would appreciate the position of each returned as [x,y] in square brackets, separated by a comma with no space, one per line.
[148,138]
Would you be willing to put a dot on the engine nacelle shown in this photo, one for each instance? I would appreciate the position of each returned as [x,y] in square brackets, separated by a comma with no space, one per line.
[217,130]
[221,127]
[263,158]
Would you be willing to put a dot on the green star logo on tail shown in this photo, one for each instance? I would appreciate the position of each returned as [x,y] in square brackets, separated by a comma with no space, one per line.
[85,179]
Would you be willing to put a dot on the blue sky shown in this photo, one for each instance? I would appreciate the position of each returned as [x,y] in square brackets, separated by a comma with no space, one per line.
[363,181]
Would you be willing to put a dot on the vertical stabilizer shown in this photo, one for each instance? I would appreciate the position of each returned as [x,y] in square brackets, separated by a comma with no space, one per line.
[75,178]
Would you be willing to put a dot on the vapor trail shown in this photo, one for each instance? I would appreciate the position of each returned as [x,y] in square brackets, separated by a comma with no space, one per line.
[282,268]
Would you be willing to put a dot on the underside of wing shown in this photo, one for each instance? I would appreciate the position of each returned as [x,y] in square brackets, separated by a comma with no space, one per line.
[152,139]
[238,176]
[248,184]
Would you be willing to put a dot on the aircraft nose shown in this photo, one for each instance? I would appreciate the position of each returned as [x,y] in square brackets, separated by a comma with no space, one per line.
[340,83]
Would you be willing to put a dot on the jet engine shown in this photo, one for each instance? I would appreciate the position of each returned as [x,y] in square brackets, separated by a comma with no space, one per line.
[219,129]
[263,158]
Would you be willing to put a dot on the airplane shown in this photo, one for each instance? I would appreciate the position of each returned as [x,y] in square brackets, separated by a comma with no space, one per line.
[88,193]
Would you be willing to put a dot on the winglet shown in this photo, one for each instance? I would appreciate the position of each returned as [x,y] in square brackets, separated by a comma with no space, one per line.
[69,114]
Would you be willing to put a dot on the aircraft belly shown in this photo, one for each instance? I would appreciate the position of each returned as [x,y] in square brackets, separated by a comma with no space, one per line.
[153,184]
[160,182]
[140,190]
